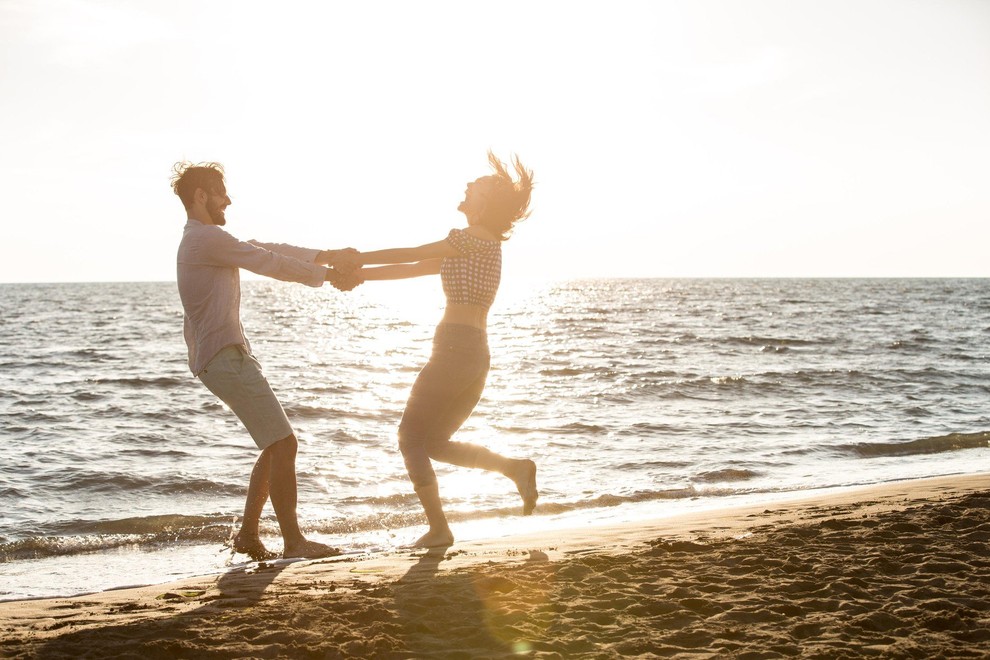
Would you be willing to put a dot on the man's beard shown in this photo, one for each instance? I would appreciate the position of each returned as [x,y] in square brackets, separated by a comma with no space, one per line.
[216,215]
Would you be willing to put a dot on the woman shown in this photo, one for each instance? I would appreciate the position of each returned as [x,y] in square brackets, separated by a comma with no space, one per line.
[469,262]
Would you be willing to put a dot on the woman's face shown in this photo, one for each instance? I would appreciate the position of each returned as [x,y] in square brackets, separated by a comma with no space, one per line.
[475,194]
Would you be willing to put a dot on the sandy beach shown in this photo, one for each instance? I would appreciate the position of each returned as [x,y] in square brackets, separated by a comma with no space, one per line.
[898,570]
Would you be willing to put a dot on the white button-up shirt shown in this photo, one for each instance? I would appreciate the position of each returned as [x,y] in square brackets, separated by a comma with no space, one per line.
[208,275]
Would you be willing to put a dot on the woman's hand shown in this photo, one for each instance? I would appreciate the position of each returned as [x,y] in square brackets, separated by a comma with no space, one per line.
[342,281]
[344,261]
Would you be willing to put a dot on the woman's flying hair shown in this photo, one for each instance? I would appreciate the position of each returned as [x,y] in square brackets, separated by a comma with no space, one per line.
[187,177]
[509,201]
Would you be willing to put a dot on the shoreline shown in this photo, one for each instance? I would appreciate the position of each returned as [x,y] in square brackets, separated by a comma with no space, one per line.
[719,581]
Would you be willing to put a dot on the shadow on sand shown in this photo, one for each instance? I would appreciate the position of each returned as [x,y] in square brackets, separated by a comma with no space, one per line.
[426,612]
[167,636]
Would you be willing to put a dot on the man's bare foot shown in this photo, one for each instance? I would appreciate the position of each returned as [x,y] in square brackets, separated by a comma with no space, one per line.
[435,539]
[253,548]
[525,478]
[310,550]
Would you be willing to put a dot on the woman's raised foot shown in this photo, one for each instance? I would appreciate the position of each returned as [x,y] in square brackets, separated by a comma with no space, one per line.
[525,478]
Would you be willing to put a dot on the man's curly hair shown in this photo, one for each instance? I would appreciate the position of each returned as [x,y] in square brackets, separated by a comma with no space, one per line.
[187,177]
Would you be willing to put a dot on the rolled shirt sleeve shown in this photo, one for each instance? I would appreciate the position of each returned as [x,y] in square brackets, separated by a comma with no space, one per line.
[276,260]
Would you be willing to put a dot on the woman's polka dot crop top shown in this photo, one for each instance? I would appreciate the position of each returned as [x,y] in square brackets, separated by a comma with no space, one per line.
[472,277]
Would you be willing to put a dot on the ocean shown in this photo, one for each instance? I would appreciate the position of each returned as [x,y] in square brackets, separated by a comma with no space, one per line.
[637,398]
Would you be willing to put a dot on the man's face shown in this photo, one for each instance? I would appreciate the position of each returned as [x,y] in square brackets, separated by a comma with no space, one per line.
[216,204]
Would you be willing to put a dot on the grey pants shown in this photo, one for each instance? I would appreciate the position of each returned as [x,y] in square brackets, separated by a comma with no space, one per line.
[442,398]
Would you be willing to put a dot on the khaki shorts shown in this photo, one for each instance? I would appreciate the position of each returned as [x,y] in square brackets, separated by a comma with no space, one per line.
[236,378]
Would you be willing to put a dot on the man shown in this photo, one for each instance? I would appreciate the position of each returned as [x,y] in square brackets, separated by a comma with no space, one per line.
[208,274]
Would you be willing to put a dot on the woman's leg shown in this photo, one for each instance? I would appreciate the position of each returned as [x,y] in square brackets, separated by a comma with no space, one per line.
[442,398]
[425,404]
[466,454]
[458,365]
[439,534]
[463,454]
[434,387]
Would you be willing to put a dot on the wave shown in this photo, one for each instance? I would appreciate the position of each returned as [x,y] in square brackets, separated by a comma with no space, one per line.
[84,396]
[610,500]
[787,384]
[92,355]
[577,428]
[90,482]
[933,445]
[303,411]
[150,532]
[726,475]
[565,371]
[779,342]
[162,382]
[78,537]
[699,387]
[655,428]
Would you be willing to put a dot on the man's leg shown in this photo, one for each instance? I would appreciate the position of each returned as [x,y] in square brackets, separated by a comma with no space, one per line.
[283,493]
[248,539]
[236,379]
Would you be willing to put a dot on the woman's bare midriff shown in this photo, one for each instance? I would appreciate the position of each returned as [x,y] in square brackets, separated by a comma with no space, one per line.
[475,316]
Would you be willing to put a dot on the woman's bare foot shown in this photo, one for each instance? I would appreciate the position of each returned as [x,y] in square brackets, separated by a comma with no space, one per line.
[253,548]
[309,550]
[435,539]
[525,477]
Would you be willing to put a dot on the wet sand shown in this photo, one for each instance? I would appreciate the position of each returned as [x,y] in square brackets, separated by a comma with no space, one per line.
[899,570]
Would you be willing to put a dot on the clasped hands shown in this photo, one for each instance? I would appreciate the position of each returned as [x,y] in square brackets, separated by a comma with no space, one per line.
[345,267]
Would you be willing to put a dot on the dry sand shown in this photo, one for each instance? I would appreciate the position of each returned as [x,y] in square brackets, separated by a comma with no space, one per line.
[899,570]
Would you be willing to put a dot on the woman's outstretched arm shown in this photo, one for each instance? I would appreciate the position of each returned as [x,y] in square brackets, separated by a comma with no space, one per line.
[401,271]
[437,250]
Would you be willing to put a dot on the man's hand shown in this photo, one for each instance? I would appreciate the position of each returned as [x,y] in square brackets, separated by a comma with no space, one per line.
[344,282]
[343,261]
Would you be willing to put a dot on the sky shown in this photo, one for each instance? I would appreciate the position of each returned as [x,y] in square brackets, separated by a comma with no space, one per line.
[679,138]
